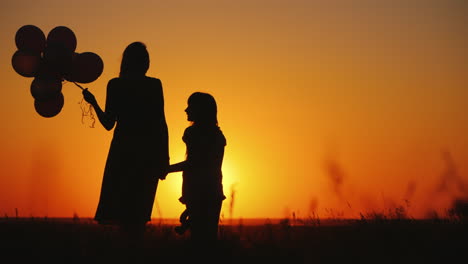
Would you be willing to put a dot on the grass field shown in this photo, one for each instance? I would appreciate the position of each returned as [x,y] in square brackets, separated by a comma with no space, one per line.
[286,241]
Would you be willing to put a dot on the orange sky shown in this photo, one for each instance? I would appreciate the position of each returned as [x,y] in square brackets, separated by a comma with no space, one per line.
[327,106]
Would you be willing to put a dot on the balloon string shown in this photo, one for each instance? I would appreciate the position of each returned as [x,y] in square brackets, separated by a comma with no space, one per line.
[87,111]
[79,86]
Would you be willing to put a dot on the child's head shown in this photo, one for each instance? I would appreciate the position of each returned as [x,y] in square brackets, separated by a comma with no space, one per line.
[202,109]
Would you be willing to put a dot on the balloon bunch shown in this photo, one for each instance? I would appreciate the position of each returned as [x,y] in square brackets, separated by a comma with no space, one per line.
[51,61]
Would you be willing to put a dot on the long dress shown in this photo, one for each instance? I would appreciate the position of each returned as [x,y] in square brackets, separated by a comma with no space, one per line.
[138,152]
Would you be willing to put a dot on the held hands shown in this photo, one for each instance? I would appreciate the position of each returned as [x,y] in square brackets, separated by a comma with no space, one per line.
[163,175]
[168,170]
[89,97]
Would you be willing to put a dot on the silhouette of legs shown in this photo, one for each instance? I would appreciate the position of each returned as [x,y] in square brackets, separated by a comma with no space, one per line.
[204,221]
[133,235]
[184,220]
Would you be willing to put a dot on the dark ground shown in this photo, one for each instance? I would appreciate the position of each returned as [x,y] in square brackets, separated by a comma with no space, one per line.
[392,241]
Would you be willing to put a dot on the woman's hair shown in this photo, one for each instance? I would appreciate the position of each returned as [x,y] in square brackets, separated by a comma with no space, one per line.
[135,60]
[205,107]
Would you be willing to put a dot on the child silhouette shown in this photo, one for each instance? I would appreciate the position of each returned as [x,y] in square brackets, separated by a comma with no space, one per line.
[202,189]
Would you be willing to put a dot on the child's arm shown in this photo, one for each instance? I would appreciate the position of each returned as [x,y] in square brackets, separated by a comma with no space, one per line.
[174,168]
[177,167]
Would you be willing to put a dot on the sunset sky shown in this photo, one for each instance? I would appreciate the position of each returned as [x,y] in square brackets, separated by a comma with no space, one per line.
[333,107]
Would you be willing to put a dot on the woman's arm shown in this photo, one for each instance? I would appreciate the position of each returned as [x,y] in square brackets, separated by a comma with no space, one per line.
[107,119]
[163,124]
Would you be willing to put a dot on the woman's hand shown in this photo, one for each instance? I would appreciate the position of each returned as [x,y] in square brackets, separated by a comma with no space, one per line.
[89,97]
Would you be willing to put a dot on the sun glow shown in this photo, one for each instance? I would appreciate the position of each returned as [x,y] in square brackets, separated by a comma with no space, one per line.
[381,85]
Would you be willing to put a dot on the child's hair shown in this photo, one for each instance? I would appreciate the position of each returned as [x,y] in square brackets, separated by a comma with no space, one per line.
[205,106]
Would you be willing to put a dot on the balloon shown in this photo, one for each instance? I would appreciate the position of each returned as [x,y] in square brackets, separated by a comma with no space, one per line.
[46,71]
[26,63]
[86,68]
[30,38]
[49,108]
[44,89]
[63,36]
[58,57]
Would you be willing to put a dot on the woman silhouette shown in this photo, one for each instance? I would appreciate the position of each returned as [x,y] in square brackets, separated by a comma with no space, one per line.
[138,156]
[202,188]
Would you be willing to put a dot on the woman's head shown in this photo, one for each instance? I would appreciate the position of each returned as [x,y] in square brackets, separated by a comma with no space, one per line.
[202,109]
[135,60]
